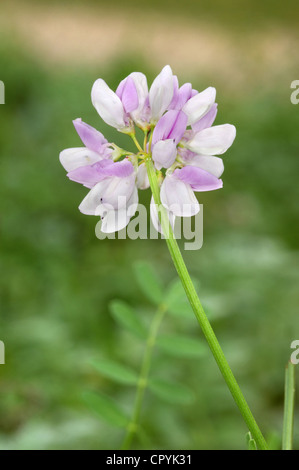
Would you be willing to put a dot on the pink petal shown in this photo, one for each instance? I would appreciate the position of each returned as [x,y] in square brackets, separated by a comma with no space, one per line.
[207,120]
[171,126]
[164,153]
[199,180]
[91,138]
[127,92]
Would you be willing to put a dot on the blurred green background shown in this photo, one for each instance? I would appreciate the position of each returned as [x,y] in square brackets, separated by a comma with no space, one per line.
[58,279]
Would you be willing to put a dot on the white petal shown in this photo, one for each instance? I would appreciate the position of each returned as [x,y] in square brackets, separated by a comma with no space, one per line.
[108,104]
[213,165]
[132,203]
[142,92]
[75,157]
[178,197]
[161,93]
[164,153]
[113,221]
[197,106]
[92,203]
[213,141]
[142,177]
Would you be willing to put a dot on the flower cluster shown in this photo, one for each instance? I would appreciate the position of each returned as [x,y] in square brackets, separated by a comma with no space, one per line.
[178,137]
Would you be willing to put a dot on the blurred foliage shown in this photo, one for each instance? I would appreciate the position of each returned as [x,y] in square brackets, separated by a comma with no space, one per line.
[236,14]
[57,279]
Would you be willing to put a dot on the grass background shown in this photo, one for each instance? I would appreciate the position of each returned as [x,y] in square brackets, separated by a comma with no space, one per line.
[57,279]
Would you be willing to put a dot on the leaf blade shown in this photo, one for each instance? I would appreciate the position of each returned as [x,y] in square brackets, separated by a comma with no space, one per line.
[148,282]
[181,346]
[106,408]
[116,371]
[171,392]
[127,318]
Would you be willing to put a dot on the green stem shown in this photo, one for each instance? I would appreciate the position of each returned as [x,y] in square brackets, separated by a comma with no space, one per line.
[143,377]
[288,419]
[199,312]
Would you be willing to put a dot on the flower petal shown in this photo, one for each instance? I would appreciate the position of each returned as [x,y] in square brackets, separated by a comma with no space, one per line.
[91,138]
[161,93]
[127,93]
[113,221]
[171,126]
[207,120]
[140,82]
[213,165]
[121,169]
[182,96]
[91,204]
[75,157]
[89,175]
[108,104]
[213,141]
[197,106]
[198,179]
[178,197]
[142,177]
[164,153]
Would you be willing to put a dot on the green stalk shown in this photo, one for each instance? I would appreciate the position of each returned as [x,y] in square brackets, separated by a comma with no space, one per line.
[288,418]
[199,312]
[143,377]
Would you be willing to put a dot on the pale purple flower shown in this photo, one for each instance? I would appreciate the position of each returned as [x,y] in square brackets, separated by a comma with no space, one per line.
[179,136]
[177,190]
[181,95]
[96,148]
[113,194]
[140,113]
[199,105]
[166,135]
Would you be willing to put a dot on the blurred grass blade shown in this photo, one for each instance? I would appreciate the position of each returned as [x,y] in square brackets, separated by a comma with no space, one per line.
[288,418]
[115,371]
[127,317]
[251,444]
[106,409]
[173,393]
[181,346]
[148,282]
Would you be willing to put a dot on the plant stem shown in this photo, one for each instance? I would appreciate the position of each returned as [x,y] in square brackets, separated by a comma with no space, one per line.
[288,418]
[199,312]
[143,377]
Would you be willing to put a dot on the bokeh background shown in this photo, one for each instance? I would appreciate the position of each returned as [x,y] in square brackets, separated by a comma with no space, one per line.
[58,279]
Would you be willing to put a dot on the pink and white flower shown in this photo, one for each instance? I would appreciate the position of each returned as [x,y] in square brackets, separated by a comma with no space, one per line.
[179,137]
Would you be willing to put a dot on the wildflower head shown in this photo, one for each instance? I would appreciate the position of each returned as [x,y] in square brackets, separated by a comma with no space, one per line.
[179,138]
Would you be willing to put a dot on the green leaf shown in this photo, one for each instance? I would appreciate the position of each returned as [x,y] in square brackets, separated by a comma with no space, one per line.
[181,346]
[171,392]
[127,318]
[106,409]
[176,300]
[115,371]
[251,444]
[148,282]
